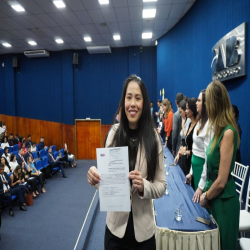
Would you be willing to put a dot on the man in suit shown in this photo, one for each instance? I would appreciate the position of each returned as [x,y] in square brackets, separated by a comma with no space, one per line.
[28,153]
[20,157]
[55,163]
[29,142]
[176,138]
[17,139]
[8,191]
[41,144]
[11,140]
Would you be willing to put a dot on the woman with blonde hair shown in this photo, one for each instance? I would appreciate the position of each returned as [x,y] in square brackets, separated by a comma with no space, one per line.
[220,190]
[168,122]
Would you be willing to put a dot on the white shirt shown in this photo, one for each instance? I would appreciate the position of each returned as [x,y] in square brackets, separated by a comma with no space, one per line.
[4,185]
[13,165]
[6,169]
[6,157]
[200,144]
[4,144]
[33,149]
[186,125]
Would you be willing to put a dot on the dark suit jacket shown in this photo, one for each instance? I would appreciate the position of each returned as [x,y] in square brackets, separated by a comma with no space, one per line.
[28,143]
[26,155]
[7,179]
[40,146]
[50,160]
[19,160]
[11,142]
[176,138]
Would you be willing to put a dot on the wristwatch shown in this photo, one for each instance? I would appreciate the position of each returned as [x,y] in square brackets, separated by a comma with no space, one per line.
[204,197]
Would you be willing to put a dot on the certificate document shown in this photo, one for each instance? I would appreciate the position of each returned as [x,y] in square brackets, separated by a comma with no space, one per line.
[114,187]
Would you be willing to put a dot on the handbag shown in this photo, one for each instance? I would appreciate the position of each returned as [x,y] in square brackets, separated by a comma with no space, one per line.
[29,199]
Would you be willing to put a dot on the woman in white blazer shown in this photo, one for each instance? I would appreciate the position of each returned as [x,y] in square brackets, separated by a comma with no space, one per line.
[135,229]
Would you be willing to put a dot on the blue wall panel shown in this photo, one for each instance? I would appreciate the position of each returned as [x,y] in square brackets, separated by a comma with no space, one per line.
[39,88]
[2,86]
[184,55]
[98,84]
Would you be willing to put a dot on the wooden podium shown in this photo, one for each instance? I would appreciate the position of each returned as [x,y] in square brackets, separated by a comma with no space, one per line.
[87,138]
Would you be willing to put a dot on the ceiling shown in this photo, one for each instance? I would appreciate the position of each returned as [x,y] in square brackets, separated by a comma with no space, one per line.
[43,23]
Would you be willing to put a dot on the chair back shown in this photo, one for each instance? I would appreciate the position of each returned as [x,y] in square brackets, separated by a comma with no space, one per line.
[53,148]
[42,153]
[15,152]
[47,150]
[1,150]
[34,154]
[15,147]
[45,161]
[62,152]
[55,155]
[10,149]
[248,197]
[240,173]
[38,164]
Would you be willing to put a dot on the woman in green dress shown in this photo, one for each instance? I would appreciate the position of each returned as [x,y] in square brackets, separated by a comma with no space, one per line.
[220,195]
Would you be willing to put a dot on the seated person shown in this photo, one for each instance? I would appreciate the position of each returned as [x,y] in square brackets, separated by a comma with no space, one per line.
[31,180]
[6,166]
[6,154]
[17,139]
[20,158]
[8,191]
[13,162]
[29,142]
[11,140]
[16,180]
[28,153]
[33,147]
[69,156]
[38,175]
[41,144]
[55,162]
[23,146]
[5,142]
[22,140]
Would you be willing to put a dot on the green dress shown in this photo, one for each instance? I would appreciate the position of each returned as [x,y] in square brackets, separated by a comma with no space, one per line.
[225,208]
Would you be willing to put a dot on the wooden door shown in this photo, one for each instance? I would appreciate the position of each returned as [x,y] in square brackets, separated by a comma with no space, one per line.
[88,138]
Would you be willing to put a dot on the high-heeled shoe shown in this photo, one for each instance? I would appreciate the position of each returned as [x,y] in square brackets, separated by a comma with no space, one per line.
[43,191]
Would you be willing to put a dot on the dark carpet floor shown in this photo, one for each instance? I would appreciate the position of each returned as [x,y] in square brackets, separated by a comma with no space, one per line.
[56,218]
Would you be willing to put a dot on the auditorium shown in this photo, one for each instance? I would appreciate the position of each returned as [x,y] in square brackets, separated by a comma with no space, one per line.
[123,124]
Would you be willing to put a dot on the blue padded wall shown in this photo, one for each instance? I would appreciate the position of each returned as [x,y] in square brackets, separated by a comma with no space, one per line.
[52,89]
[2,86]
[184,55]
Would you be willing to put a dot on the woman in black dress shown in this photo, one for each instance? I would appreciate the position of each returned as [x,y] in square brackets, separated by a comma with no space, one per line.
[185,153]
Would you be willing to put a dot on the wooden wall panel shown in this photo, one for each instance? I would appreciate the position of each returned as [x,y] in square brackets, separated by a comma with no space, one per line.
[105,130]
[69,137]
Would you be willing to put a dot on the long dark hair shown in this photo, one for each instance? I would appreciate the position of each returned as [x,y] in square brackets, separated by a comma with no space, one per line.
[6,163]
[147,137]
[4,151]
[203,116]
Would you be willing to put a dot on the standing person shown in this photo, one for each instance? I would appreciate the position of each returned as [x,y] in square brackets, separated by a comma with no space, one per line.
[201,139]
[176,140]
[157,114]
[168,123]
[130,230]
[220,190]
[185,152]
[184,121]
[152,109]
[236,113]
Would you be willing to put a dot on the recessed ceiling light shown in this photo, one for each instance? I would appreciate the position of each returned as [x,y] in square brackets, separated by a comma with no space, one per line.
[117,37]
[147,35]
[59,4]
[148,13]
[32,43]
[87,39]
[156,42]
[18,7]
[59,41]
[149,1]
[6,44]
[104,1]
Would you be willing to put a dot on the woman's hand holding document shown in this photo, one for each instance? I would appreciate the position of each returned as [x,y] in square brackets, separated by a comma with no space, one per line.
[112,176]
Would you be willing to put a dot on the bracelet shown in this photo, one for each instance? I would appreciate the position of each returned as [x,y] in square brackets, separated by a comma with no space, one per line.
[204,197]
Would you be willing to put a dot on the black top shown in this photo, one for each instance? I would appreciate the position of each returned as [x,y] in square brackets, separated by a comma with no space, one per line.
[189,139]
[133,143]
[15,179]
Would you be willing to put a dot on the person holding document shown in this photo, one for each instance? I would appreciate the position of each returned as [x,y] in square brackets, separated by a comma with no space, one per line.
[135,229]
